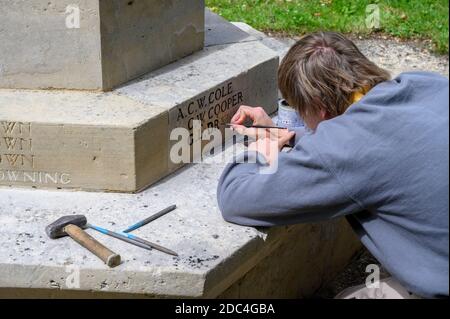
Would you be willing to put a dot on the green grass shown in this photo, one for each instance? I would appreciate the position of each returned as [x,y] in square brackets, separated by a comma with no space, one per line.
[416,19]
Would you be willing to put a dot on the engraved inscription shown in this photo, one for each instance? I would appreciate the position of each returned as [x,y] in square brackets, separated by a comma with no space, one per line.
[16,145]
[17,158]
[43,178]
[214,109]
[18,128]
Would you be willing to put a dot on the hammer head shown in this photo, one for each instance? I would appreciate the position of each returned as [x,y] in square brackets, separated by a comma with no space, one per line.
[56,229]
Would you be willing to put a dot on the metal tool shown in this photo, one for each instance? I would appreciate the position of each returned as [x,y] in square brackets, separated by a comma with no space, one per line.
[152,245]
[150,219]
[132,239]
[118,236]
[72,226]
[259,126]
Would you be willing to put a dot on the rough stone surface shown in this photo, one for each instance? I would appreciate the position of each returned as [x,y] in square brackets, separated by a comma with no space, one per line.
[214,255]
[117,40]
[119,141]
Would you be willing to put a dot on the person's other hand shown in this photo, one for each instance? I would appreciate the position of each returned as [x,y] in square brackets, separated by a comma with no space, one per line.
[256,114]
[270,145]
[258,117]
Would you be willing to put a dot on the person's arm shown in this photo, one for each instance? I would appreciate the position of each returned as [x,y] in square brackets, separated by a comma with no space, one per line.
[302,189]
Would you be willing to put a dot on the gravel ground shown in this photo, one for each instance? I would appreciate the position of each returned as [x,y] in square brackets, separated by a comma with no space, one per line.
[396,56]
[353,275]
[399,56]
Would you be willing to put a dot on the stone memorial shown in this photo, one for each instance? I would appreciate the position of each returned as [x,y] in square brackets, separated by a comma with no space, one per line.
[91,92]
[117,141]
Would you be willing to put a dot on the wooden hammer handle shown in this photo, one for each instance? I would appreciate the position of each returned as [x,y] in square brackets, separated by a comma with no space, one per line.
[84,239]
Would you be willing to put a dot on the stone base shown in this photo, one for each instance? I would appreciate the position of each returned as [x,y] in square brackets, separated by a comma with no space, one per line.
[120,141]
[216,259]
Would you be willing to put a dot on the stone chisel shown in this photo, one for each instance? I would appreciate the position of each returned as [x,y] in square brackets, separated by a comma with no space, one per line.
[132,239]
[259,126]
[150,219]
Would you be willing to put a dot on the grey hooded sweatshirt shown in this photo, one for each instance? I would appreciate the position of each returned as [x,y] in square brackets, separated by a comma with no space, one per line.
[384,164]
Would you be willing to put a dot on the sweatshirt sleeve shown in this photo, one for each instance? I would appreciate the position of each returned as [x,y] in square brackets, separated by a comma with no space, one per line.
[300,189]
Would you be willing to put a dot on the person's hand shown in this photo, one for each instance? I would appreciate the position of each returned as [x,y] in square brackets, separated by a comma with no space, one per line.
[271,144]
[256,114]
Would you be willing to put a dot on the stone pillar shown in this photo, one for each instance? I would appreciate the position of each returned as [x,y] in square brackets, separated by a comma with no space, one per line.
[93,44]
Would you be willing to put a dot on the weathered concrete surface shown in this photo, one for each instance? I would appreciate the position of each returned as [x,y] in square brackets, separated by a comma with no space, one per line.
[116,41]
[215,256]
[119,141]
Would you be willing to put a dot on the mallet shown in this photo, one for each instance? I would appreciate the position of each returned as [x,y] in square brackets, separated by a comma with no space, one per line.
[72,226]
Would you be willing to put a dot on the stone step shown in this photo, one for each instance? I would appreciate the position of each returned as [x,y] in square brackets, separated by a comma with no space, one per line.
[119,141]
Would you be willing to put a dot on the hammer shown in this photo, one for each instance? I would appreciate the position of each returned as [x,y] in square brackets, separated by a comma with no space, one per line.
[72,226]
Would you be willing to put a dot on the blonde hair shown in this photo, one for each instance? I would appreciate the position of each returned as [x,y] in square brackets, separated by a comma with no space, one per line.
[323,71]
